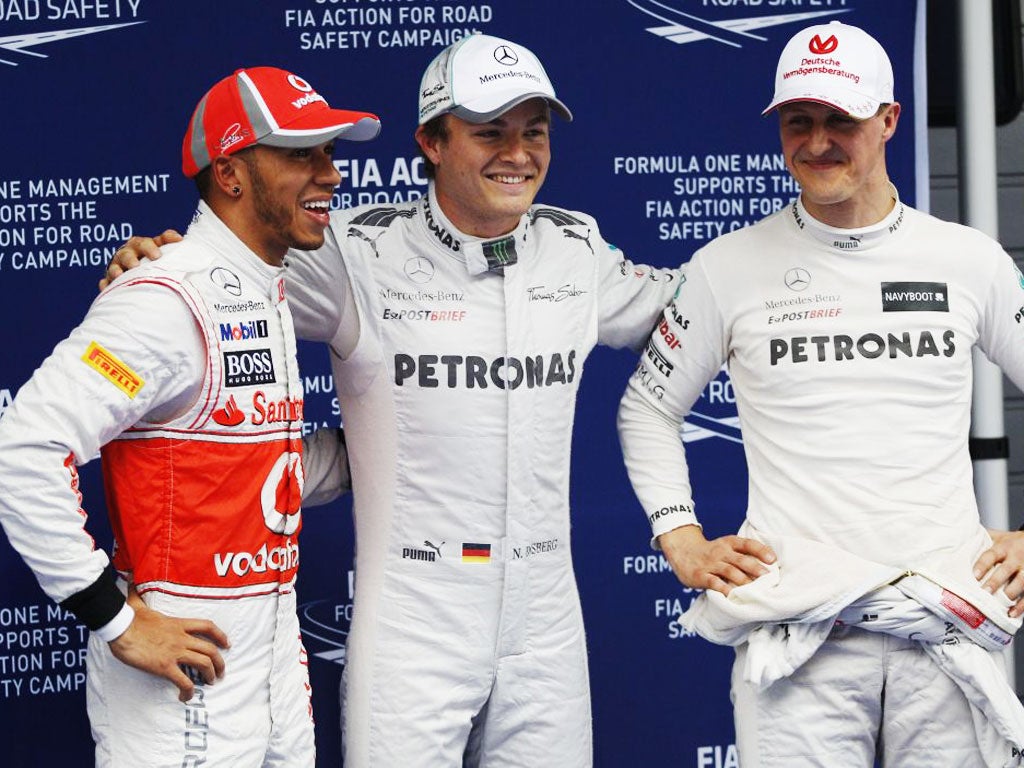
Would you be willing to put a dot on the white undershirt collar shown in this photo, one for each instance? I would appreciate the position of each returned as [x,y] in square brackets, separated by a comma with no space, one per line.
[858,239]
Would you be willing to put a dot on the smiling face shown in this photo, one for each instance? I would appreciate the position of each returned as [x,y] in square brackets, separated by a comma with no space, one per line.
[288,194]
[839,161]
[488,174]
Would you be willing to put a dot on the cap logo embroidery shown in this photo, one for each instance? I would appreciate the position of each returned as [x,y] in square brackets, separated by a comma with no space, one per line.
[234,134]
[821,48]
[299,84]
[505,55]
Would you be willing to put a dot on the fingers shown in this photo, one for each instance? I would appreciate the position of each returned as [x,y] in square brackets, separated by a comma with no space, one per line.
[984,563]
[718,585]
[755,548]
[209,630]
[186,688]
[204,664]
[167,236]
[212,663]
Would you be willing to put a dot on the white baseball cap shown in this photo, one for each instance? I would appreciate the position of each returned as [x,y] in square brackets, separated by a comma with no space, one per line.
[481,77]
[834,64]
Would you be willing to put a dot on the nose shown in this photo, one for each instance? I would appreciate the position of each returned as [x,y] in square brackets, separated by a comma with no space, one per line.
[513,150]
[327,172]
[818,141]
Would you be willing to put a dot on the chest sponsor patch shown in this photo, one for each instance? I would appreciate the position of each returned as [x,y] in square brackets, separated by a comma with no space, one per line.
[248,367]
[112,369]
[915,297]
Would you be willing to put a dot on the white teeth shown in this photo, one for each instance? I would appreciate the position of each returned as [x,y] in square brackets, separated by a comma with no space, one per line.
[318,205]
[510,179]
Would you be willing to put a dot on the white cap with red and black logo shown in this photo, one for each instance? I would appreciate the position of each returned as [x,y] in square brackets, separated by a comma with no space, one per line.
[481,77]
[834,64]
[266,105]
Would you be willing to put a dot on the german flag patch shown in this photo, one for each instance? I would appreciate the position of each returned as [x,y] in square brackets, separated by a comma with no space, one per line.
[476,553]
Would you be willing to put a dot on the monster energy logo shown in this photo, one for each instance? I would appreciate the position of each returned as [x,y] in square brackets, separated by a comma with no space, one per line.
[500,253]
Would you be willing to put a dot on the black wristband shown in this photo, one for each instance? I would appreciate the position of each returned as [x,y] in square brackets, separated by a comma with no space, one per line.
[97,604]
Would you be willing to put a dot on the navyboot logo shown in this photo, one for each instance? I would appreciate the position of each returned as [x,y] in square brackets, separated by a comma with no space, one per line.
[915,297]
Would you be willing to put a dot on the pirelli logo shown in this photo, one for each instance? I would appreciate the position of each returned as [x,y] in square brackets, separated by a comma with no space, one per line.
[112,369]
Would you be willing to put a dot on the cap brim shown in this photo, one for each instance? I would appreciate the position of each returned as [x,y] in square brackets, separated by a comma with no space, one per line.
[324,125]
[478,112]
[853,104]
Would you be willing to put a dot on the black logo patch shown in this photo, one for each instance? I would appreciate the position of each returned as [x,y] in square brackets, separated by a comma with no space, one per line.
[248,367]
[915,297]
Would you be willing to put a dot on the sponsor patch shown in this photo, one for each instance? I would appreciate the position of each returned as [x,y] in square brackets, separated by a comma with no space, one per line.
[476,553]
[915,297]
[248,367]
[113,370]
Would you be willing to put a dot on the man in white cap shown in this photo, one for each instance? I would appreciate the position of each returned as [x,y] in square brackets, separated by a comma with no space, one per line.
[183,376]
[459,325]
[858,594]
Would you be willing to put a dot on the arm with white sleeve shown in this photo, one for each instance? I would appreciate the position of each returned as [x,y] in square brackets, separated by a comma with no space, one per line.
[685,351]
[631,298]
[128,359]
[325,467]
[1001,338]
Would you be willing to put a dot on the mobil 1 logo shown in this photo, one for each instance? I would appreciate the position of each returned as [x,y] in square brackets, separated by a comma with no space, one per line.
[247,367]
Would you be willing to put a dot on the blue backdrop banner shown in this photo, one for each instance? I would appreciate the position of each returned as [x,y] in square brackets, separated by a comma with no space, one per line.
[667,149]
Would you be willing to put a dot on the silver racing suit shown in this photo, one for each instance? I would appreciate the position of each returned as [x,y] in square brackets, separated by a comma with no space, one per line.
[457,363]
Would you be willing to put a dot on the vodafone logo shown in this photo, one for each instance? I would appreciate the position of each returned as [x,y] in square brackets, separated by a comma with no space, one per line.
[820,48]
[299,84]
[281,496]
[265,559]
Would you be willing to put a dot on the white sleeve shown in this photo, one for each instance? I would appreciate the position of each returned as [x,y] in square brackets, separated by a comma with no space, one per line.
[137,350]
[325,467]
[685,351]
[1001,332]
[632,297]
[320,294]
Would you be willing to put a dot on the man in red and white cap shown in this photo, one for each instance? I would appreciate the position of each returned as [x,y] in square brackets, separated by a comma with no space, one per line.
[183,376]
[868,606]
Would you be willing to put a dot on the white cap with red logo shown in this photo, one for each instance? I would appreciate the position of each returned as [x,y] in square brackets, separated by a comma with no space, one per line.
[834,64]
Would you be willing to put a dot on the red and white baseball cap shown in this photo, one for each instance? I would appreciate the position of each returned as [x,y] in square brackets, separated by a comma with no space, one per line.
[834,64]
[266,105]
[481,77]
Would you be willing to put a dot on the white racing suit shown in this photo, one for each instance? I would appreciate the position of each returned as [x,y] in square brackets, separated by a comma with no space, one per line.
[184,373]
[850,356]
[457,394]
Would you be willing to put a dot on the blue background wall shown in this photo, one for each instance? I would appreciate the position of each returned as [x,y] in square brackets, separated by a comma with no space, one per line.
[96,94]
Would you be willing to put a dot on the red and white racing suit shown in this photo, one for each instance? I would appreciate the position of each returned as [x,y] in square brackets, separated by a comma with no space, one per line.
[184,372]
[850,356]
[457,364]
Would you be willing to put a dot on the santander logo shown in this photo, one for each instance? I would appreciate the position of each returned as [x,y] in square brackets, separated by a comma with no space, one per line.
[230,415]
[820,48]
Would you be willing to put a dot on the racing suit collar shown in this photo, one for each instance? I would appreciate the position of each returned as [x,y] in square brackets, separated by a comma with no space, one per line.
[859,239]
[479,254]
[208,227]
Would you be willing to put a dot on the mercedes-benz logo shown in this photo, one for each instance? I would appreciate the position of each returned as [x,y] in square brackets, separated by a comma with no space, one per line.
[505,55]
[226,280]
[419,269]
[797,279]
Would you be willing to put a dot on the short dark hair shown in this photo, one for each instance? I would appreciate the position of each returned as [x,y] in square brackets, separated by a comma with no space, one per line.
[435,129]
[203,180]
